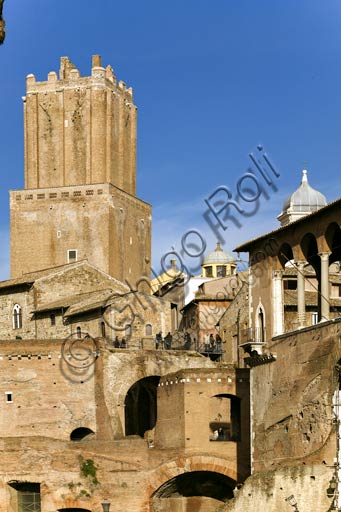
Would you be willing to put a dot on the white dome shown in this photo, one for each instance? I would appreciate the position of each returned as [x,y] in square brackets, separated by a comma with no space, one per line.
[218,256]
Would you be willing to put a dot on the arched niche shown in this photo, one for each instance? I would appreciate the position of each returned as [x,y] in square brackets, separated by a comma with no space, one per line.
[81,433]
[310,251]
[140,406]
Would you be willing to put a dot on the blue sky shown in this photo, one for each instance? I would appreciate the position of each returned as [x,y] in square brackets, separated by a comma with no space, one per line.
[211,81]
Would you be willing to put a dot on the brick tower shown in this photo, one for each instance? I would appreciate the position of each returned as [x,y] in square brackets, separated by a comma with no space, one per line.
[80,177]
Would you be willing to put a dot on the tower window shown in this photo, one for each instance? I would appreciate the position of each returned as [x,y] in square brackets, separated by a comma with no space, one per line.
[17,317]
[72,255]
[221,270]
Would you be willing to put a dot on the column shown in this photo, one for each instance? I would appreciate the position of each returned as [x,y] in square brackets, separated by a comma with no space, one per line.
[324,285]
[301,318]
[277,303]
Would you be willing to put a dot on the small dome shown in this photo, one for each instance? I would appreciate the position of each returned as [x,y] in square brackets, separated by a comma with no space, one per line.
[303,201]
[218,256]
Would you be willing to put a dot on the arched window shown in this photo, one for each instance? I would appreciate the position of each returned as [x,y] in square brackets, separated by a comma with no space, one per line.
[140,406]
[17,317]
[149,330]
[79,332]
[128,330]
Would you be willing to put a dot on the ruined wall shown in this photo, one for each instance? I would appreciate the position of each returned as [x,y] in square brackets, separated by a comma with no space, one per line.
[293,420]
[54,385]
[268,491]
[51,397]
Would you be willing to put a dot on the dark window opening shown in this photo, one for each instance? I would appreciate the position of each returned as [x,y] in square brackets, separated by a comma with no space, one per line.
[79,332]
[140,406]
[72,255]
[81,433]
[261,327]
[290,284]
[208,271]
[9,397]
[53,319]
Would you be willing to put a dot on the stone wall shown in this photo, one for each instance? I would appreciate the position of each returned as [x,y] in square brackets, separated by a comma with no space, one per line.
[106,226]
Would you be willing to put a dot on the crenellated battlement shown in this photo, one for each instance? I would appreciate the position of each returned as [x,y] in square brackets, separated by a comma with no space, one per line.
[69,77]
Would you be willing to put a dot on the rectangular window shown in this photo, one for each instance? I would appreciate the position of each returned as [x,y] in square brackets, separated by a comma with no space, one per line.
[290,284]
[72,255]
[9,396]
[208,271]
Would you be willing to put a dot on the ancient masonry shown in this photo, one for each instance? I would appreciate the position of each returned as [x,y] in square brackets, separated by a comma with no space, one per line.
[85,421]
[80,177]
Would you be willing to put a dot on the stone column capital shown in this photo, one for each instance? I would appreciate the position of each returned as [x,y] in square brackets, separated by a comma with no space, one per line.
[324,255]
[277,274]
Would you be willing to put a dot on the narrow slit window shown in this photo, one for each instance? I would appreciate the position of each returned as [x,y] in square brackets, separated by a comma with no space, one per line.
[17,317]
[9,396]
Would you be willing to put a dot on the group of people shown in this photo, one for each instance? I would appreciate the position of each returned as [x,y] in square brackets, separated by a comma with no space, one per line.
[120,344]
[166,342]
[212,343]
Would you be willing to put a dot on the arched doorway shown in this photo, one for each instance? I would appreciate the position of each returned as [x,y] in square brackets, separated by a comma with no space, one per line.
[195,491]
[140,406]
[224,414]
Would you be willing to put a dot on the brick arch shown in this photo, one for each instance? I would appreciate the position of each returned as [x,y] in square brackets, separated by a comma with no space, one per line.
[182,465]
[61,504]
